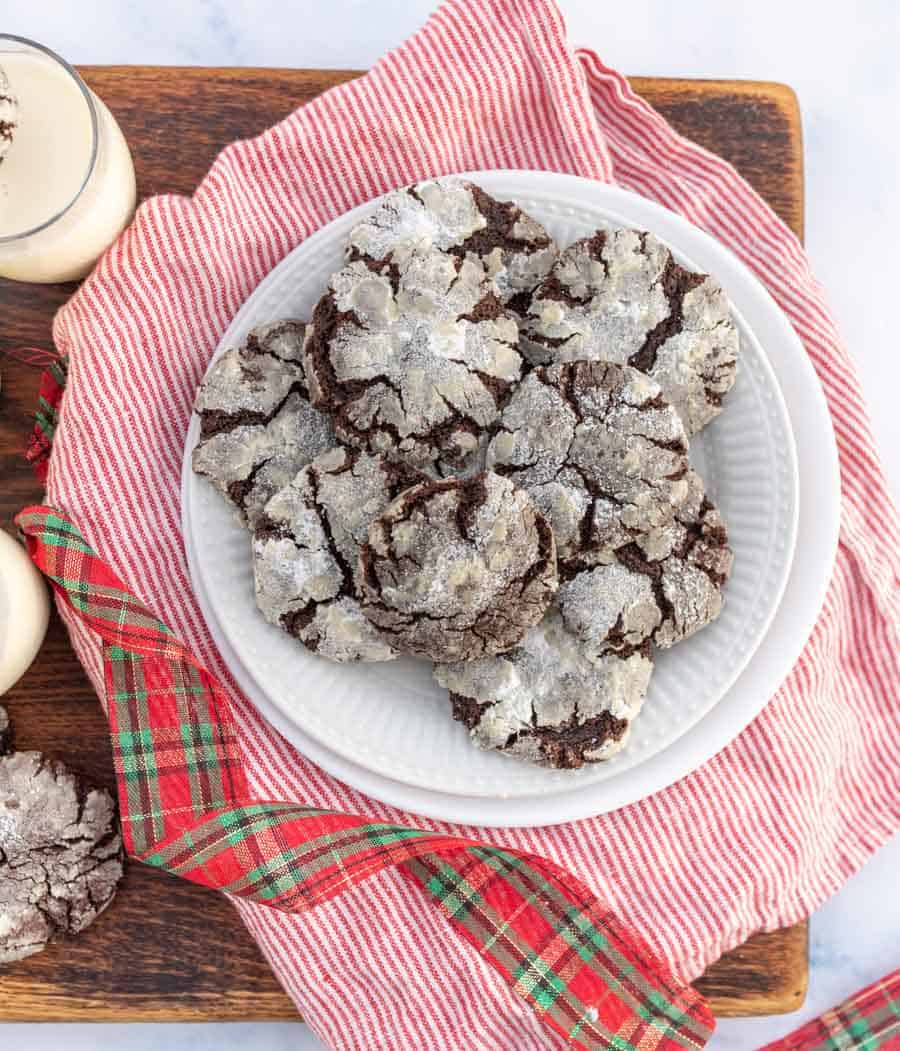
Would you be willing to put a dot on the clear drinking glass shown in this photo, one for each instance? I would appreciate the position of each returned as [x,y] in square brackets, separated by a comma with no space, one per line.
[67,186]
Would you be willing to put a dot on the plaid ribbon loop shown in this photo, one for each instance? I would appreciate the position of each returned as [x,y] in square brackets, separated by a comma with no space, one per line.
[186,807]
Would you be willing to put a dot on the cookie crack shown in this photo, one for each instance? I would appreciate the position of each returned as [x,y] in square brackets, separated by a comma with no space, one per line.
[385,267]
[565,746]
[215,421]
[348,585]
[631,556]
[676,282]
[501,218]
[253,342]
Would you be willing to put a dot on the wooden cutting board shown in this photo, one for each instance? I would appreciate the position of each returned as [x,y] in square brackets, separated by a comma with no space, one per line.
[167,950]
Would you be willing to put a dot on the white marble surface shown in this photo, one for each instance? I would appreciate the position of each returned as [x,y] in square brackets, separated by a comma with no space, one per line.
[841,60]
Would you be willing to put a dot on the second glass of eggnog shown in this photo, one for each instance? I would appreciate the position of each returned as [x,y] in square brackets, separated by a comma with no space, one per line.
[67,187]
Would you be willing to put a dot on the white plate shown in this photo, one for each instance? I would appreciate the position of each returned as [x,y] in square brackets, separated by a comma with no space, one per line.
[385,728]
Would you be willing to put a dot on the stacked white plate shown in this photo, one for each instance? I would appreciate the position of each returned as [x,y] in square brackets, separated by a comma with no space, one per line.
[769,462]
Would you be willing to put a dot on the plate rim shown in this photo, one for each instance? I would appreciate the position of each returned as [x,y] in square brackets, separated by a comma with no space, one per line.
[400,793]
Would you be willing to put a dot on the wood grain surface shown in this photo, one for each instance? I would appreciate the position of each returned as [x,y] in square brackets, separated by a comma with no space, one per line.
[167,950]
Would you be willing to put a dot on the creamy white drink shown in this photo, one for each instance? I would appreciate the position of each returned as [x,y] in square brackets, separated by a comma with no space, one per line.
[24,611]
[67,186]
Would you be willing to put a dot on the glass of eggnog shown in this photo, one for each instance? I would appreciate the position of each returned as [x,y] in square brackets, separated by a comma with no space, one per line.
[67,186]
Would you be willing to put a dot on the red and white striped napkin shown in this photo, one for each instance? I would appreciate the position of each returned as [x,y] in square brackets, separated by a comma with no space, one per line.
[756,838]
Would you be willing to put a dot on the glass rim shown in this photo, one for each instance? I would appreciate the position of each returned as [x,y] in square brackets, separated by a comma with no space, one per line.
[6,239]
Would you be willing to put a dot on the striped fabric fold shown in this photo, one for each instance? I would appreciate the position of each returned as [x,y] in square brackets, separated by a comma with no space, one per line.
[754,839]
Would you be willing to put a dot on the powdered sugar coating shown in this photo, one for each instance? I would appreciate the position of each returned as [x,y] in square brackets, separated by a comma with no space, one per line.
[437,213]
[458,569]
[664,587]
[306,548]
[255,378]
[545,701]
[60,853]
[410,358]
[620,296]
[601,452]
[459,218]
[257,427]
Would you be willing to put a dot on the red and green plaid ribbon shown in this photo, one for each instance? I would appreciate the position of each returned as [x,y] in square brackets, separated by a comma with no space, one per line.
[186,808]
[53,382]
[870,1019]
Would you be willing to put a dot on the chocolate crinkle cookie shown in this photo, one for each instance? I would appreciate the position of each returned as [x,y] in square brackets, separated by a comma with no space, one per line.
[602,453]
[458,569]
[60,853]
[306,552]
[620,296]
[458,217]
[546,701]
[257,427]
[413,358]
[664,586]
